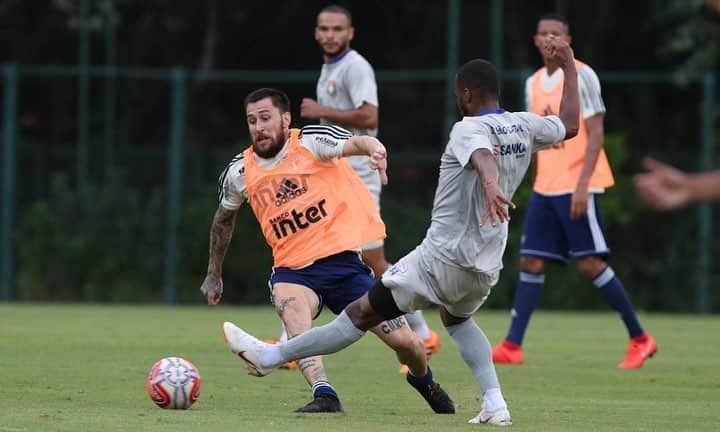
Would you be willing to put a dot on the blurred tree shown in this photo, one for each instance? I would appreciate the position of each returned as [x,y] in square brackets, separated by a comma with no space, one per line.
[693,42]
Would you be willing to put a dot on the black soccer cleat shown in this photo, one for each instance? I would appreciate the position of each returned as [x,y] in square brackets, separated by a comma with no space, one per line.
[437,398]
[321,404]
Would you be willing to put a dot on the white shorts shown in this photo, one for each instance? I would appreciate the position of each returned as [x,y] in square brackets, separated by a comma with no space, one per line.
[419,280]
[371,178]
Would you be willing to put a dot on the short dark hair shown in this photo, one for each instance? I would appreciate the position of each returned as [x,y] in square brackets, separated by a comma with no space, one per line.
[337,9]
[480,75]
[553,16]
[279,99]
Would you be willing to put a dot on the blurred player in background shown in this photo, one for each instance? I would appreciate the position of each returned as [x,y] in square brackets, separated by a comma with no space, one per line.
[664,187]
[347,96]
[460,259]
[315,214]
[563,219]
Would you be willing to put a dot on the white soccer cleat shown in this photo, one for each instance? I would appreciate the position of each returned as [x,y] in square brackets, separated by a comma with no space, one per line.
[247,347]
[500,417]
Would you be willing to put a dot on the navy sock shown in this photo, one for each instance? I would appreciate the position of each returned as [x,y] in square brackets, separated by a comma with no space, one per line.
[614,292]
[325,389]
[420,382]
[527,297]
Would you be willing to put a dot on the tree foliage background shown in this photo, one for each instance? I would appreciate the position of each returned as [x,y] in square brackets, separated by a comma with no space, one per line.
[112,250]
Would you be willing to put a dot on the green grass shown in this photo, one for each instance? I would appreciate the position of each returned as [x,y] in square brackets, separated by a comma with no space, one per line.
[83,368]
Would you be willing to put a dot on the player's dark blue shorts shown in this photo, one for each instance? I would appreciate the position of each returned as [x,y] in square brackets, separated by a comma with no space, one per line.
[337,280]
[550,234]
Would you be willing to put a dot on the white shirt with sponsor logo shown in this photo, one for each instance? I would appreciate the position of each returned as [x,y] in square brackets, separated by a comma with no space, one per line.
[455,235]
[324,142]
[346,84]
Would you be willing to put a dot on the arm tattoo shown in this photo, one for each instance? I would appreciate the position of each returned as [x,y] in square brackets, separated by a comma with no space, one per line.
[220,235]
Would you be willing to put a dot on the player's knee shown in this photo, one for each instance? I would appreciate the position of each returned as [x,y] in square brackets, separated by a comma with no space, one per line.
[362,314]
[449,319]
[290,309]
[590,267]
[410,346]
[532,264]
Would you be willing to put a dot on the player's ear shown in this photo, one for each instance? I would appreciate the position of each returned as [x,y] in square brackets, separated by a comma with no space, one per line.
[287,118]
[568,39]
[468,96]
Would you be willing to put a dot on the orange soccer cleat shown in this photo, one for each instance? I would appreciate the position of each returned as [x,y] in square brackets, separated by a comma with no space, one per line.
[432,344]
[639,349]
[289,365]
[507,353]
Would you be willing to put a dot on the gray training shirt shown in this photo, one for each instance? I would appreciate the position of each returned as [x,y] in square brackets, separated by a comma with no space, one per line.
[347,83]
[455,235]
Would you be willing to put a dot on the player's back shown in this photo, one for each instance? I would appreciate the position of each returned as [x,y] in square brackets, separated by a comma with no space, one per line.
[455,235]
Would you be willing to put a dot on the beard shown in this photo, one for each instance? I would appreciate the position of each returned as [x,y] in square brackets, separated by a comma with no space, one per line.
[341,49]
[277,143]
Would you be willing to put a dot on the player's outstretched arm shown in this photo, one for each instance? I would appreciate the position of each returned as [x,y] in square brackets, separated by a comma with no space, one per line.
[664,187]
[570,100]
[363,145]
[220,235]
[484,163]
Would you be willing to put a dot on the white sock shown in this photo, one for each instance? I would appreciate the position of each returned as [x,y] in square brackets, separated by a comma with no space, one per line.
[271,357]
[283,334]
[493,400]
[327,339]
[417,324]
[476,350]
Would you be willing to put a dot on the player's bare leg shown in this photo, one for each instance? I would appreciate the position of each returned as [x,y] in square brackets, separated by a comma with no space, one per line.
[352,323]
[408,347]
[375,259]
[297,305]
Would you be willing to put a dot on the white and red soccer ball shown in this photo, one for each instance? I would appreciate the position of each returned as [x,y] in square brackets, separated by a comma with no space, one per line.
[174,383]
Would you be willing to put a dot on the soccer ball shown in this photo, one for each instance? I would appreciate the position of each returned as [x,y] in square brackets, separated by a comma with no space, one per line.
[173,382]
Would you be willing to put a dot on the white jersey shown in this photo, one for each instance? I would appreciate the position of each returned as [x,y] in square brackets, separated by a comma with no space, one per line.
[455,235]
[324,142]
[347,83]
[591,102]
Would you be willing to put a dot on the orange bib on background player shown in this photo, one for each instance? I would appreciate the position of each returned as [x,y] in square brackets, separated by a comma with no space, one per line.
[310,209]
[558,169]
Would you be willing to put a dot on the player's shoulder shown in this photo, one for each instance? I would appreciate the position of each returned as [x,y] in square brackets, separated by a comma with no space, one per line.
[585,72]
[234,169]
[579,64]
[469,125]
[354,58]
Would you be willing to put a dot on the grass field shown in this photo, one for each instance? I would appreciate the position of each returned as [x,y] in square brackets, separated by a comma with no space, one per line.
[83,368]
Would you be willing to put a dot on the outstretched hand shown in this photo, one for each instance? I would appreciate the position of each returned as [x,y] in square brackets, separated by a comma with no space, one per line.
[661,187]
[496,204]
